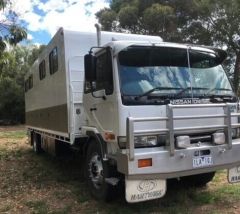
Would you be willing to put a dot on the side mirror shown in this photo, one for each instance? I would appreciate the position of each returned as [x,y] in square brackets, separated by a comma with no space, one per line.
[90,67]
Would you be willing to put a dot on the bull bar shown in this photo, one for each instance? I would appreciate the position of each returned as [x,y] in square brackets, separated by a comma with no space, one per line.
[170,130]
[172,162]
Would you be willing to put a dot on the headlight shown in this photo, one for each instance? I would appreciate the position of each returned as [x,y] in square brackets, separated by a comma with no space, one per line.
[145,141]
[140,141]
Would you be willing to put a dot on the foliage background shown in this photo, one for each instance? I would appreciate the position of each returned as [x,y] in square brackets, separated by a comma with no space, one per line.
[14,64]
[204,22]
[15,61]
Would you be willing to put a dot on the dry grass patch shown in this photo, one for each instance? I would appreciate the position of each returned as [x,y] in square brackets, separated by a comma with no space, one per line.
[42,184]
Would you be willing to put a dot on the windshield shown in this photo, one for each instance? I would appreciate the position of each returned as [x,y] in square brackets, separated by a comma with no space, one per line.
[143,69]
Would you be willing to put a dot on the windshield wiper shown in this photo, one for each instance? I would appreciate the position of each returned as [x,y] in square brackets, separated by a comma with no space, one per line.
[189,88]
[154,89]
[217,89]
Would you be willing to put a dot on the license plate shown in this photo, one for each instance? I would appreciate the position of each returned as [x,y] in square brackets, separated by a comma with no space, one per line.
[234,175]
[143,190]
[202,161]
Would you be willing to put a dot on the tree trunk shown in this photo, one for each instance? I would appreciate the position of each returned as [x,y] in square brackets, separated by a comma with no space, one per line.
[236,73]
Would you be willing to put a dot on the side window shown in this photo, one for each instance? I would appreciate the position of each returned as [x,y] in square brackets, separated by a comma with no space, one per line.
[42,70]
[26,84]
[30,82]
[104,73]
[53,61]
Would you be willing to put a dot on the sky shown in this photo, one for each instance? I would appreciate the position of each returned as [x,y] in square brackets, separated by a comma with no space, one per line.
[42,18]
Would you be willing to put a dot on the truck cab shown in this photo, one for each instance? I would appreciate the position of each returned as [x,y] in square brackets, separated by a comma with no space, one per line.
[157,111]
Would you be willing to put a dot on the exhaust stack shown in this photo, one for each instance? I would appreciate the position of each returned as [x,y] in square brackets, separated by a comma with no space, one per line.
[98,28]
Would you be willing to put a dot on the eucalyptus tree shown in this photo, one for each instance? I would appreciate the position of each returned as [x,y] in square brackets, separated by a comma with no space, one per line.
[14,64]
[10,29]
[205,22]
[220,20]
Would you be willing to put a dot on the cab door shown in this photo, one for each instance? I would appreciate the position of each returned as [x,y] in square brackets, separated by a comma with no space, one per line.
[99,98]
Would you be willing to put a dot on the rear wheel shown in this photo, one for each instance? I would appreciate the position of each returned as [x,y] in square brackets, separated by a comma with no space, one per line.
[198,180]
[36,143]
[96,172]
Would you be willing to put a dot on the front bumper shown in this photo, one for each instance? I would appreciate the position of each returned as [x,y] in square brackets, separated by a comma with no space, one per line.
[165,166]
[170,162]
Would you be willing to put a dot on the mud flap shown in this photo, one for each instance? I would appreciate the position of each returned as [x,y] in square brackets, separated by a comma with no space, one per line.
[234,175]
[143,190]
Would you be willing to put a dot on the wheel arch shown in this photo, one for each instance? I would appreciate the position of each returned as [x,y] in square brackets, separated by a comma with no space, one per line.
[98,139]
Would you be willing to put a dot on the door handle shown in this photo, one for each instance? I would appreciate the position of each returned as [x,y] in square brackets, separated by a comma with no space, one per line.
[93,109]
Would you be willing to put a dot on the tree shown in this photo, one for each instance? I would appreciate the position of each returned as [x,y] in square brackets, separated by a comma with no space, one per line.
[166,20]
[205,22]
[10,30]
[220,20]
[107,18]
[14,65]
[156,17]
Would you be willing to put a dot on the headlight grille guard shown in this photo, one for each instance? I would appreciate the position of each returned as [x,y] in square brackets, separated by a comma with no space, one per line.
[170,130]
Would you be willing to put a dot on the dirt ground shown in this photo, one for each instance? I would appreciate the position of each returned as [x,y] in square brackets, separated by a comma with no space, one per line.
[12,128]
[31,183]
[36,184]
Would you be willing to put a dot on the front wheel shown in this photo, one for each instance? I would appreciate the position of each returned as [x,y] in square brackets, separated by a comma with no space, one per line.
[96,172]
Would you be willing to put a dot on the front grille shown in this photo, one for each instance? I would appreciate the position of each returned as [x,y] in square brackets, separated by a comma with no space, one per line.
[202,139]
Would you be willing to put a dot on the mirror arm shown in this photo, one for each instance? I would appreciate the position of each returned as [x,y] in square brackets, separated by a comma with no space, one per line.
[96,47]
[103,97]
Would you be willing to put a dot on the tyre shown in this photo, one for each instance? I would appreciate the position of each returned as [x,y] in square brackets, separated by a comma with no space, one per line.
[96,172]
[199,180]
[37,143]
[30,138]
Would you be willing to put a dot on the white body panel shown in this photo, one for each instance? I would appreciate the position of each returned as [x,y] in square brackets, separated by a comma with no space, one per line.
[39,97]
[65,87]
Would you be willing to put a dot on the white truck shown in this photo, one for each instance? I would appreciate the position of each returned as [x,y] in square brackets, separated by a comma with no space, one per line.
[140,110]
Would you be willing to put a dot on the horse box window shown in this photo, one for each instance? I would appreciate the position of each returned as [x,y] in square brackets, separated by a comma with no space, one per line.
[42,70]
[28,83]
[30,79]
[53,61]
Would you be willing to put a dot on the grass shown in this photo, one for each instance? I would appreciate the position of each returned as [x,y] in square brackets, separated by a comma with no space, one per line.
[13,134]
[31,183]
[38,207]
[5,208]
